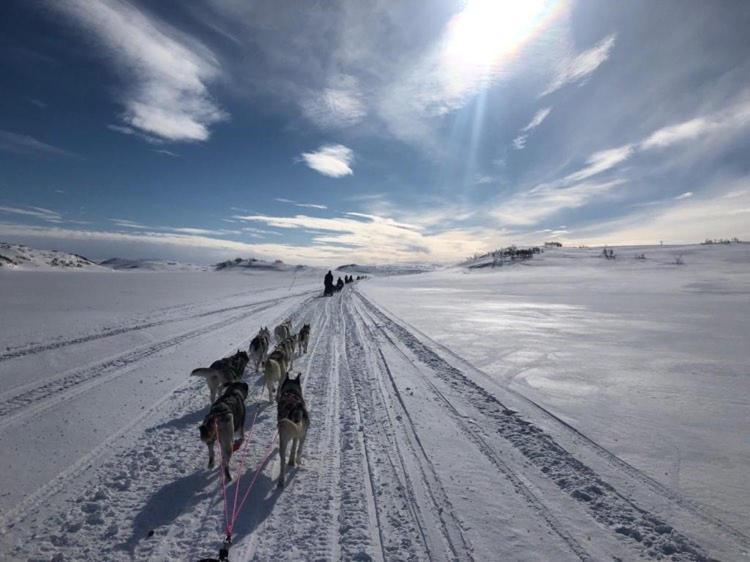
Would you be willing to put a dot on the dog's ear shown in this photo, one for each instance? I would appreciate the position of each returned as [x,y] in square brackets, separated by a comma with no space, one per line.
[299,377]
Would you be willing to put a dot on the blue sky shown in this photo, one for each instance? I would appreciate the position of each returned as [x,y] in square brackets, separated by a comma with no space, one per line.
[331,132]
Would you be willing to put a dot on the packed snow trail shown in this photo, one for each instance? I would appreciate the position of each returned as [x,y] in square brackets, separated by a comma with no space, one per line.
[408,457]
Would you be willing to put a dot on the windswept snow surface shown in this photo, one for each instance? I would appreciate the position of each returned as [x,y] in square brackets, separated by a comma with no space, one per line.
[415,451]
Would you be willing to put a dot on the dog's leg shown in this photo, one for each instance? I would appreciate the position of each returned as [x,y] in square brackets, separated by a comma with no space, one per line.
[210,446]
[301,443]
[226,435]
[293,452]
[282,457]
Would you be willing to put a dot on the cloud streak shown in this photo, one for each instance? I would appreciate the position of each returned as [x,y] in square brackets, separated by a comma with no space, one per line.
[28,145]
[166,73]
[582,65]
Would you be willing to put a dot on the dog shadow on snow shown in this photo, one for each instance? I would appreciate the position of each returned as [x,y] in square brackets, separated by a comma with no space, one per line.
[199,492]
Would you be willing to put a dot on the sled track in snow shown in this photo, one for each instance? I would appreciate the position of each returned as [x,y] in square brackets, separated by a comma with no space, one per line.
[33,398]
[108,333]
[474,436]
[699,511]
[369,382]
[155,461]
[606,505]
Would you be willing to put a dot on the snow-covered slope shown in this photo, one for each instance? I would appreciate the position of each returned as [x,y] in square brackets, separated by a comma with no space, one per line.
[386,269]
[151,265]
[514,414]
[15,256]
[248,264]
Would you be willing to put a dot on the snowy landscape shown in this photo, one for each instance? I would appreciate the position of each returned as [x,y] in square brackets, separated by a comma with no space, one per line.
[566,407]
[450,280]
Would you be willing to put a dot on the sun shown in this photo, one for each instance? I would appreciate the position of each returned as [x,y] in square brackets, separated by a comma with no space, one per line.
[487,32]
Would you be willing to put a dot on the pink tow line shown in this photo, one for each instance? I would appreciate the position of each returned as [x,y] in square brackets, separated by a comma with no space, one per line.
[236,509]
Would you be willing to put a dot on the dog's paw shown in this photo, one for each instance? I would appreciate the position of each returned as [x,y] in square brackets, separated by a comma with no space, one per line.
[280,485]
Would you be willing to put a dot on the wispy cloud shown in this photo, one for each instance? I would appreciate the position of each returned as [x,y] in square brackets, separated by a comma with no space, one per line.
[338,105]
[41,213]
[125,223]
[600,162]
[531,207]
[26,144]
[39,103]
[332,160]
[166,73]
[686,195]
[520,141]
[296,204]
[582,65]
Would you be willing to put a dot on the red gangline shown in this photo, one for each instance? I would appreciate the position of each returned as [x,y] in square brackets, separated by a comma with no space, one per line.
[255,477]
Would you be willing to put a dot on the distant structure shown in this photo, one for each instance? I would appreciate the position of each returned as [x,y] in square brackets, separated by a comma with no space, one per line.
[553,244]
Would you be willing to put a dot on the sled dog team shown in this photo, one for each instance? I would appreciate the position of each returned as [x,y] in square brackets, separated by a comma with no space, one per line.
[227,393]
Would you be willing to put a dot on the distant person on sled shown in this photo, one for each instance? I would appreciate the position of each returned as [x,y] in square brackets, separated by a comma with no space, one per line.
[328,283]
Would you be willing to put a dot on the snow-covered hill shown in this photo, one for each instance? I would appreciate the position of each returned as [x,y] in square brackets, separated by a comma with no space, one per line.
[245,264]
[385,269]
[151,265]
[16,256]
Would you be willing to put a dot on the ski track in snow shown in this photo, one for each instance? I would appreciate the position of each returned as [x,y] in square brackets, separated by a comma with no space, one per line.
[407,458]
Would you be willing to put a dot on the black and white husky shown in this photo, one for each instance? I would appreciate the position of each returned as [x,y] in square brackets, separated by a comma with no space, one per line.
[259,347]
[225,419]
[293,421]
[222,372]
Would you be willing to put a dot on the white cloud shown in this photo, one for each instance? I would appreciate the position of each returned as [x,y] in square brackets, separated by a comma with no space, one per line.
[125,223]
[582,65]
[735,117]
[25,144]
[686,195]
[304,205]
[332,160]
[41,213]
[600,162]
[692,219]
[339,105]
[528,208]
[166,73]
[539,116]
[519,143]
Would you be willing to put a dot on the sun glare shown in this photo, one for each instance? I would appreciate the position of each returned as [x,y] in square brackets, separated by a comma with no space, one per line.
[488,32]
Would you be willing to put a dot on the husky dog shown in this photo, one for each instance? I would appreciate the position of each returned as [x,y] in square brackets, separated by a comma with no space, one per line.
[293,421]
[274,368]
[223,371]
[259,347]
[289,346]
[283,330]
[226,417]
[303,338]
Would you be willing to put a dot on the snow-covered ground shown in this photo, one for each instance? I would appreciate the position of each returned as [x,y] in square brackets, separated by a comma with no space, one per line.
[647,357]
[570,408]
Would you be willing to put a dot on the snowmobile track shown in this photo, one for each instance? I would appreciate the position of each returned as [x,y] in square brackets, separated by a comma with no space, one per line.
[605,504]
[108,333]
[699,511]
[33,398]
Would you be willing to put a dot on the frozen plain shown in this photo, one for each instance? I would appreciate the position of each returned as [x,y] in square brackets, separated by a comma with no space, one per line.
[567,408]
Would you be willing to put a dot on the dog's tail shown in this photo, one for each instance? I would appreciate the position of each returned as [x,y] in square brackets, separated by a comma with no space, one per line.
[296,427]
[203,372]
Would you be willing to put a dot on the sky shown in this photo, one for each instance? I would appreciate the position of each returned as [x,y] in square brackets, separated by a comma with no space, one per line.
[371,132]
